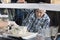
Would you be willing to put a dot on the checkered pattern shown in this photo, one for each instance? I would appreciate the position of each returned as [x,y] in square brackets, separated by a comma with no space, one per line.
[37,25]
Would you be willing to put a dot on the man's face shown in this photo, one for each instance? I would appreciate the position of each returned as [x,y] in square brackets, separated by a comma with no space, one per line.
[39,13]
[21,1]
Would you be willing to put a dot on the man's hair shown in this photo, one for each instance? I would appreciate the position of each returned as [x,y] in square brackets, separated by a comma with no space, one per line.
[42,9]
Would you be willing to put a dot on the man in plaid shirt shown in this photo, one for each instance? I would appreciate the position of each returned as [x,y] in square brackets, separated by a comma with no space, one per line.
[38,22]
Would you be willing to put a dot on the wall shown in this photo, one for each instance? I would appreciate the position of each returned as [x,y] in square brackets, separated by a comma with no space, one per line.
[55,1]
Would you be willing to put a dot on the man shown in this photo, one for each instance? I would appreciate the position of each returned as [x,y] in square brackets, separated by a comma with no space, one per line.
[38,22]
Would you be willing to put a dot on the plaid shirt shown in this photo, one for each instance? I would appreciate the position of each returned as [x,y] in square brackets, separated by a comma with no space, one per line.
[37,25]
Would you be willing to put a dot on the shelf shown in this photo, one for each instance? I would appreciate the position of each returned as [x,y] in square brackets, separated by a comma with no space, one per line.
[32,6]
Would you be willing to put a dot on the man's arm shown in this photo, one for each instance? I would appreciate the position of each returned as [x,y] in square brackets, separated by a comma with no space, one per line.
[47,28]
[46,23]
[28,20]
